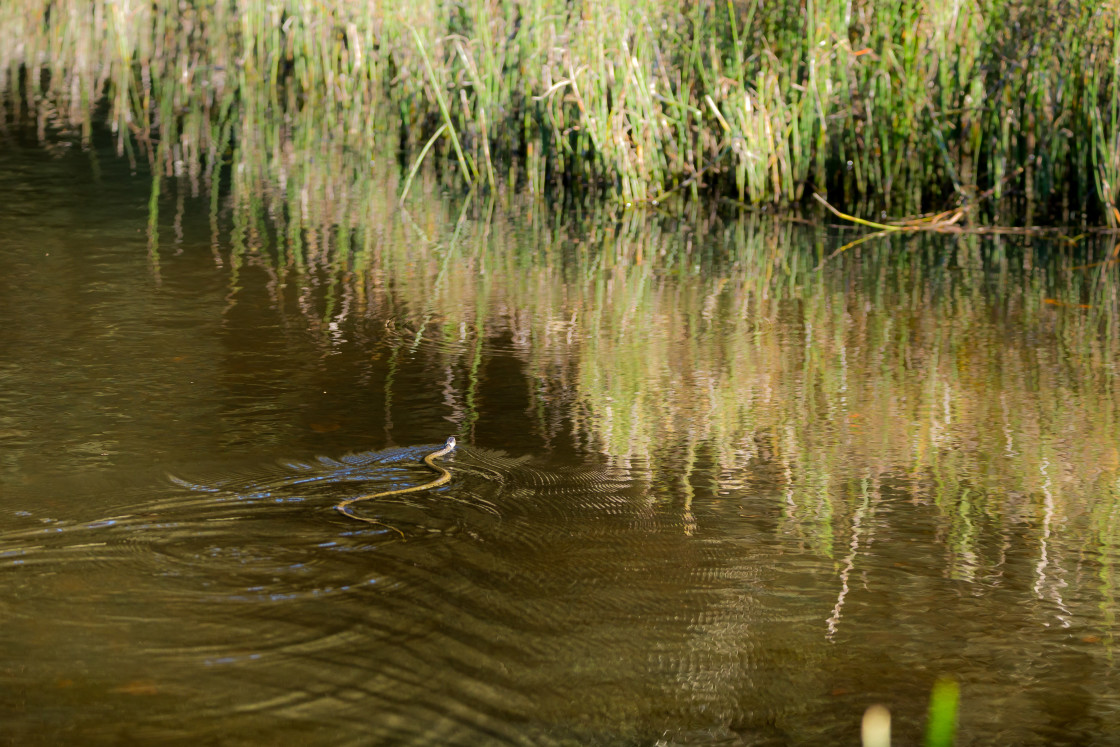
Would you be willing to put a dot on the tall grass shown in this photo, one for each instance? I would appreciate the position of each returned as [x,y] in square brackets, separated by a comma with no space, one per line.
[898,106]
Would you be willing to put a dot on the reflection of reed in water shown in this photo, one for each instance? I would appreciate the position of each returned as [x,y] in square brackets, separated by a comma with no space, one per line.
[722,368]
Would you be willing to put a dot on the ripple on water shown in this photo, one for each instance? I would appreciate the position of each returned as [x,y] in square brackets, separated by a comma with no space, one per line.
[252,599]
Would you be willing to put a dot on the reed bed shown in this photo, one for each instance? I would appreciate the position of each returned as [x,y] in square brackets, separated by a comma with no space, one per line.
[880,105]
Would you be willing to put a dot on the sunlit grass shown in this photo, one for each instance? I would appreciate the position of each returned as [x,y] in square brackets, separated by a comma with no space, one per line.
[897,106]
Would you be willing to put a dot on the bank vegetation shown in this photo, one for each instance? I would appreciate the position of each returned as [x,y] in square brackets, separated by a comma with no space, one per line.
[900,106]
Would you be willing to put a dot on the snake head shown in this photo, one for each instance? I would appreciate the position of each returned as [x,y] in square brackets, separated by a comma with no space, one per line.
[450,444]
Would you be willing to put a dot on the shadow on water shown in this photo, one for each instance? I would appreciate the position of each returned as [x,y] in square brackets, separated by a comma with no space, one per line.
[706,493]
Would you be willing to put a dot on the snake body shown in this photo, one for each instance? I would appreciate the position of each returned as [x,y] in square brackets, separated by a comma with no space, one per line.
[429,460]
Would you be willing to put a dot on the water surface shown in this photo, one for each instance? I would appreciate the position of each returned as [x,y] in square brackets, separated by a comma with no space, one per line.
[706,493]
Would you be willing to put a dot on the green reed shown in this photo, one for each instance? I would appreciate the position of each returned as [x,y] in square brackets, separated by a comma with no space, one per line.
[899,106]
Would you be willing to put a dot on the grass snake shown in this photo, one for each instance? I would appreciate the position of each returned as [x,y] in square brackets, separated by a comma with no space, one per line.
[429,460]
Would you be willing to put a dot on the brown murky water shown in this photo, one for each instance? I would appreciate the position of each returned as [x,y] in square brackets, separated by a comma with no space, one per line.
[706,494]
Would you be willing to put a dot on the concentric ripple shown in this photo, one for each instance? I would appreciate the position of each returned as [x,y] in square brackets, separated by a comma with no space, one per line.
[245,595]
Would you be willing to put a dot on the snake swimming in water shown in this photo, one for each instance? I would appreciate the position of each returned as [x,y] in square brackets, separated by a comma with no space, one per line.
[444,477]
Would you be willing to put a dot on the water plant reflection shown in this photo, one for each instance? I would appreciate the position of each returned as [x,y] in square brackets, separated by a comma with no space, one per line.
[955,372]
